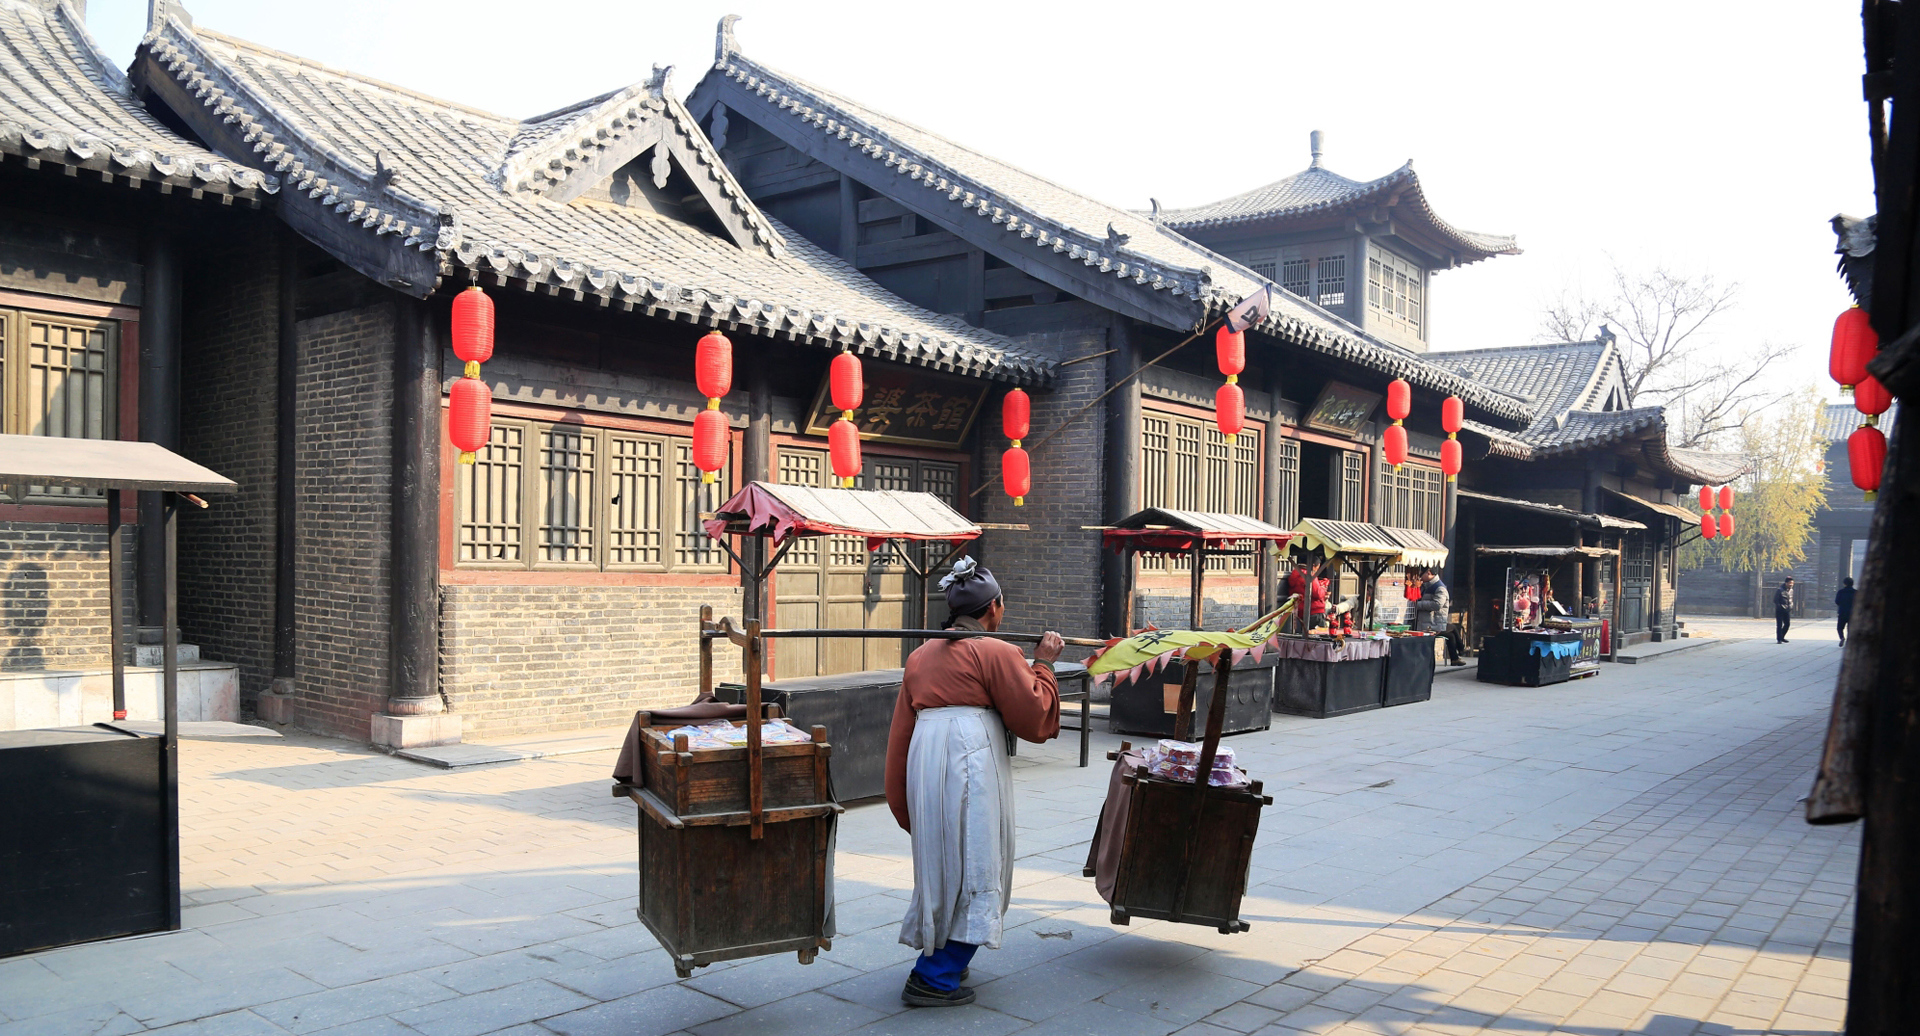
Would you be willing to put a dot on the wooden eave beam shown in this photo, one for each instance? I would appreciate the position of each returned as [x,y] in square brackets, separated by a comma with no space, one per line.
[1042,264]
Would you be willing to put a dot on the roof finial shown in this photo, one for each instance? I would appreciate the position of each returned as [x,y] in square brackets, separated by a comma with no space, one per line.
[724,45]
[1316,140]
[660,84]
[1155,217]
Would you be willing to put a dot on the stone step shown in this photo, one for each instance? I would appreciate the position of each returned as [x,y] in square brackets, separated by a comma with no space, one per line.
[149,654]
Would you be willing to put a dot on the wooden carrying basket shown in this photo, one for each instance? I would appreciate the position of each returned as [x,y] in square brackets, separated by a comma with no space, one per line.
[1186,847]
[736,844]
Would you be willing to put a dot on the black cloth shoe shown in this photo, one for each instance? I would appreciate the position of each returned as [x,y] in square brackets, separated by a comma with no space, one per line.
[919,994]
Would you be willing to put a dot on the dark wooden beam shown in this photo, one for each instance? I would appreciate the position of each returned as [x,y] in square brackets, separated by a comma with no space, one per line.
[900,251]
[159,409]
[1122,467]
[849,219]
[413,583]
[286,381]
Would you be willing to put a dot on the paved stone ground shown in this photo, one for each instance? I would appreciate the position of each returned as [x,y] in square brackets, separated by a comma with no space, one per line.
[1619,854]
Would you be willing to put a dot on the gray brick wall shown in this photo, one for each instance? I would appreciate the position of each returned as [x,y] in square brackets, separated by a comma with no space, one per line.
[342,488]
[53,595]
[526,659]
[227,410]
[1051,574]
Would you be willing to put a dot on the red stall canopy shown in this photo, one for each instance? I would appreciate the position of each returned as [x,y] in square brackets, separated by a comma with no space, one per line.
[1159,529]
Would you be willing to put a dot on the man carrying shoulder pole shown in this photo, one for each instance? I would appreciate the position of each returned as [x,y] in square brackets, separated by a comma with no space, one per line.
[951,787]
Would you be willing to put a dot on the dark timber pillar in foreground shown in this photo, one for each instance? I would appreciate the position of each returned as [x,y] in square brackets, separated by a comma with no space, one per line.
[159,411]
[415,716]
[1122,468]
[756,462]
[286,371]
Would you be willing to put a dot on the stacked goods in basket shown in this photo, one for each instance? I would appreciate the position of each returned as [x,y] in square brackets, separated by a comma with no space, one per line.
[1180,760]
[723,734]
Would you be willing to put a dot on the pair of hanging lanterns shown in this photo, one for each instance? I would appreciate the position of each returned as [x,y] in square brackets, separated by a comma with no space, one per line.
[1452,413]
[1229,400]
[1393,442]
[469,401]
[1709,526]
[713,375]
[1854,344]
[848,386]
[1016,472]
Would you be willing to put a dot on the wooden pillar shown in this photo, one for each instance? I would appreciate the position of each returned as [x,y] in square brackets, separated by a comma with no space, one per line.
[286,379]
[159,406]
[414,630]
[1122,466]
[1197,584]
[1270,496]
[756,462]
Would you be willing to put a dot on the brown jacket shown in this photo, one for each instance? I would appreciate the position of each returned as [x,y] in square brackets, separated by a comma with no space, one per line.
[976,671]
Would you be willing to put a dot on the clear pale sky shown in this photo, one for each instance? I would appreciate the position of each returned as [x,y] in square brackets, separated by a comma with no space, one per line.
[1711,138]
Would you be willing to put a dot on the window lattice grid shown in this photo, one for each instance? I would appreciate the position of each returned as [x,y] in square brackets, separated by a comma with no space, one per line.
[1219,484]
[489,500]
[568,462]
[897,476]
[1263,269]
[1394,290]
[1353,488]
[1288,472]
[1246,487]
[1185,490]
[943,481]
[60,385]
[1297,276]
[636,485]
[1331,280]
[692,548]
[803,468]
[1156,445]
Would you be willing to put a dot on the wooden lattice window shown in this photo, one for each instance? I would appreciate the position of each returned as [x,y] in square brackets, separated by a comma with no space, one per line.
[1264,269]
[58,378]
[1296,275]
[1353,487]
[1394,291]
[1186,464]
[1330,276]
[1287,470]
[803,468]
[1412,498]
[568,496]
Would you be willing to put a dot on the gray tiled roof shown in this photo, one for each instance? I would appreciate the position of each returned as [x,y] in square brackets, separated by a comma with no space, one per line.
[1317,191]
[416,172]
[1110,241]
[1839,420]
[63,102]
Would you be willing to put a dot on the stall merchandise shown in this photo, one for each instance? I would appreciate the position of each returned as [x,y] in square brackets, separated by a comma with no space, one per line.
[1322,677]
[1514,654]
[92,824]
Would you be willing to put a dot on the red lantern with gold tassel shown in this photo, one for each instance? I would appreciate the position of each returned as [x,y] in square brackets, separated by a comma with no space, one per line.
[1726,524]
[1393,444]
[1016,413]
[1706,498]
[469,401]
[1452,414]
[847,385]
[1726,498]
[1229,400]
[1708,527]
[1867,455]
[1854,343]
[713,365]
[710,441]
[713,374]
[1871,398]
[843,447]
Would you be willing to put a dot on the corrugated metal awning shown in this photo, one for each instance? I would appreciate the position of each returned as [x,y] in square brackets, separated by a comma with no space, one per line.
[1656,507]
[786,511]
[1156,529]
[1605,521]
[1417,546]
[1337,537]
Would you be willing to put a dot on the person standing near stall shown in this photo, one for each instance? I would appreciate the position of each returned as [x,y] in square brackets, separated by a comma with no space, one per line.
[1430,614]
[1843,607]
[1782,610]
[950,785]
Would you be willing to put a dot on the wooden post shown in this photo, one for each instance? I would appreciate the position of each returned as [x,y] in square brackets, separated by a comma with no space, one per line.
[1130,564]
[1122,459]
[706,650]
[116,574]
[755,790]
[1196,605]
[170,703]
[1183,712]
[414,624]
[159,408]
[286,501]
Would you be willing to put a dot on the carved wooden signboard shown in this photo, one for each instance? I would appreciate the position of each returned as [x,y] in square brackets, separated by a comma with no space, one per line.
[908,406]
[1341,408]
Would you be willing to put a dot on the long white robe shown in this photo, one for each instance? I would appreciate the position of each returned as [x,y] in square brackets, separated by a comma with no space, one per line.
[960,801]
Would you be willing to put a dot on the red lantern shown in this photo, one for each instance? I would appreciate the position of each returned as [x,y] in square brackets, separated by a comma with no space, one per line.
[1016,475]
[713,365]
[1708,527]
[1230,349]
[1870,397]
[1450,458]
[848,385]
[1394,444]
[1399,399]
[1452,413]
[1706,498]
[1726,524]
[710,442]
[469,417]
[843,445]
[1866,455]
[1726,498]
[1854,343]
[473,326]
[1230,409]
[1015,411]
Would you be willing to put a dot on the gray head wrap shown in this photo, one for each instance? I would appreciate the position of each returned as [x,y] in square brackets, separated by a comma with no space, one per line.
[969,587]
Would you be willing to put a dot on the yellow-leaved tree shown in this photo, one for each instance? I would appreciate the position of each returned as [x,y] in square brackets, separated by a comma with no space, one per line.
[1776,500]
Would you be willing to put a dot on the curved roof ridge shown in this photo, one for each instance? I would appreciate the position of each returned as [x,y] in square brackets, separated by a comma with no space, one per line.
[319,66]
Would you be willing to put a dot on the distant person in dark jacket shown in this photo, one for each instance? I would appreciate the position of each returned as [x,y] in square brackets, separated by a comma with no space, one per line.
[1843,607]
[1430,613]
[1782,610]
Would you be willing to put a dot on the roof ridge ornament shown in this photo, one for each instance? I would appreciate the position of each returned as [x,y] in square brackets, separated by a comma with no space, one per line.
[158,11]
[1153,215]
[725,45]
[1316,144]
[661,82]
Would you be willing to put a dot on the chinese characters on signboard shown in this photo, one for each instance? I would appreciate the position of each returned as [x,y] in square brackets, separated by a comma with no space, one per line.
[1342,408]
[906,406]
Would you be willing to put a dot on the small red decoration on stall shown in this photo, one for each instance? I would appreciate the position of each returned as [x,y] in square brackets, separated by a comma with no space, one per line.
[710,441]
[843,444]
[849,390]
[469,417]
[469,401]
[1229,401]
[1726,498]
[1399,404]
[1016,475]
[1726,524]
[1708,527]
[1452,414]
[1016,413]
[1867,455]
[1854,343]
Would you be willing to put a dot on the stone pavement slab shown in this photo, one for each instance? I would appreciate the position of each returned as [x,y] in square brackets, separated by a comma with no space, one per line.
[1622,854]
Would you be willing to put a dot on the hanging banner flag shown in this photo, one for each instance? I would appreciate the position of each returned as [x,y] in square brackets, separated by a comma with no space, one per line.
[1252,310]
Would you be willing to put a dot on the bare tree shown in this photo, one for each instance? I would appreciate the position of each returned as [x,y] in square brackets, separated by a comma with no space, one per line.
[1655,316]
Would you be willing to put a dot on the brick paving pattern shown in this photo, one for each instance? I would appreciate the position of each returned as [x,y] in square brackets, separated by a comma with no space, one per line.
[1618,855]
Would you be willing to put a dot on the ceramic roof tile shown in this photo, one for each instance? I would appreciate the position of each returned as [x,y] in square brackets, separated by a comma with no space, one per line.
[443,177]
[62,101]
[1839,420]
